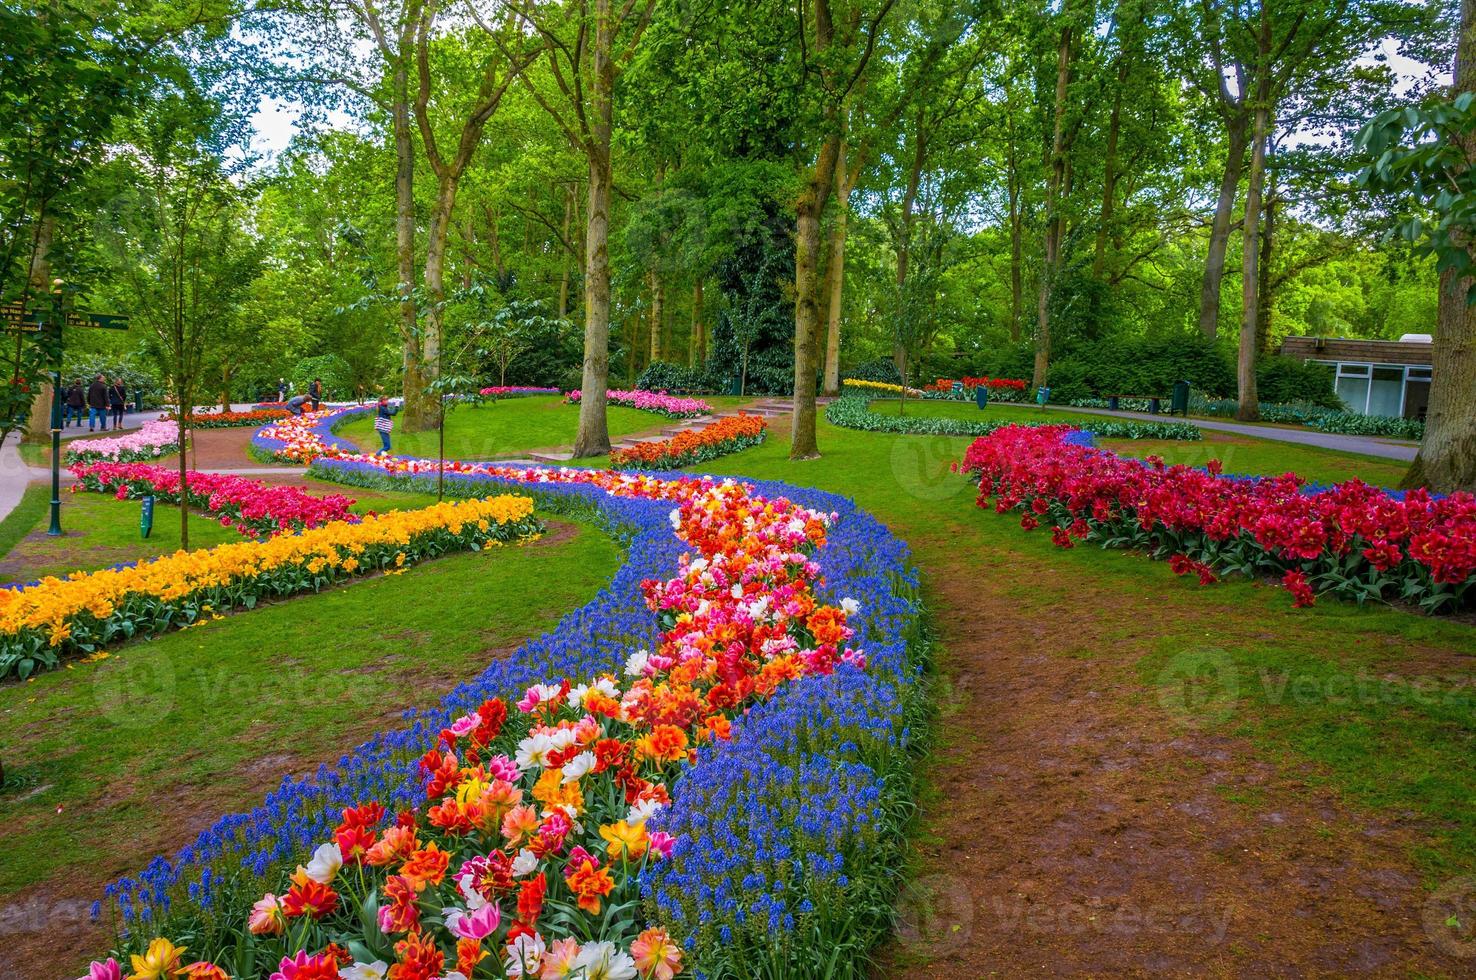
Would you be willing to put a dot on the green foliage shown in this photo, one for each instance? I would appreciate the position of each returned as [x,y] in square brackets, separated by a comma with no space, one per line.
[1287,379]
[1354,424]
[753,340]
[882,369]
[138,378]
[334,372]
[1137,366]
[1421,155]
[674,378]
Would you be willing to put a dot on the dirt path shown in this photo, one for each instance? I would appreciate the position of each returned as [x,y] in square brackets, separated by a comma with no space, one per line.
[1077,830]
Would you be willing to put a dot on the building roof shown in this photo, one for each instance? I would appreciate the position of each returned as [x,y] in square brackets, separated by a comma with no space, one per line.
[1358,351]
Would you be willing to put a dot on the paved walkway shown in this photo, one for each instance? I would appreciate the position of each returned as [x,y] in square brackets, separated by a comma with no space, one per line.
[1366,445]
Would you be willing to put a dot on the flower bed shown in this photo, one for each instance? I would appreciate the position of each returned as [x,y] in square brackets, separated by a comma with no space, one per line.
[764,566]
[252,507]
[854,412]
[728,435]
[151,441]
[875,389]
[301,438]
[41,624]
[233,420]
[1351,540]
[969,384]
[515,391]
[653,401]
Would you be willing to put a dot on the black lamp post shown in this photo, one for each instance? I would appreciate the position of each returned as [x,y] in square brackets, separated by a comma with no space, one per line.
[54,325]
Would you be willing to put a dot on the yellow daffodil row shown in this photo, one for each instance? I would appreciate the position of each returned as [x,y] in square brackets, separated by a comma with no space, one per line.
[88,609]
[879,387]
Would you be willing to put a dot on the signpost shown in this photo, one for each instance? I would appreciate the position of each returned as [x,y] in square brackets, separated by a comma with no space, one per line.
[14,317]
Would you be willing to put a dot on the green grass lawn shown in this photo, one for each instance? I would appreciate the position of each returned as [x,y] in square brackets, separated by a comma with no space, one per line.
[34,454]
[1398,753]
[506,428]
[115,760]
[1266,457]
[512,427]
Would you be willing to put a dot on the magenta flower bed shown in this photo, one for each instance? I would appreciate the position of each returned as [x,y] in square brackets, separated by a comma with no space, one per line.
[250,506]
[654,401]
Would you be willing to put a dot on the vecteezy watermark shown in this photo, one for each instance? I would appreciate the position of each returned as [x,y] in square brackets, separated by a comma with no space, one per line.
[938,914]
[1449,917]
[935,913]
[1199,687]
[36,914]
[923,467]
[135,690]
[1203,686]
[1105,917]
[142,687]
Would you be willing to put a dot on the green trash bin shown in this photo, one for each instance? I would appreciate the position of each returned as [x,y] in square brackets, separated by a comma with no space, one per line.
[1180,401]
[981,396]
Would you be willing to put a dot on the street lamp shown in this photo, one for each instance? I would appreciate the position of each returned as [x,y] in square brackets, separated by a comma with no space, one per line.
[54,324]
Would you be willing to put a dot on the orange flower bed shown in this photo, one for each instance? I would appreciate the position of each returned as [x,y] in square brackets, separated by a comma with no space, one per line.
[695,446]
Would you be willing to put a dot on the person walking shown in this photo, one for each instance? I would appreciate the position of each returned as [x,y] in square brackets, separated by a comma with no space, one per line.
[315,392]
[297,404]
[384,424]
[97,404]
[76,401]
[282,390]
[117,400]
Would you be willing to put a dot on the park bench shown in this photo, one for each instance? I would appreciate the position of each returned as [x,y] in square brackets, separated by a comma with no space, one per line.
[1178,400]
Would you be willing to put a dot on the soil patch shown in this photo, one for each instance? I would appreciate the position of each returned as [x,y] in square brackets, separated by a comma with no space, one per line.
[1079,830]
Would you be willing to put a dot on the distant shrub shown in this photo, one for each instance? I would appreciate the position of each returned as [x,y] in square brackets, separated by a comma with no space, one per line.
[882,369]
[1286,380]
[332,370]
[663,376]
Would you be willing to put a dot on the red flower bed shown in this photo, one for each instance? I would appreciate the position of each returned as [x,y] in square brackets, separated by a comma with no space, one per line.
[230,420]
[993,384]
[685,448]
[252,507]
[1351,540]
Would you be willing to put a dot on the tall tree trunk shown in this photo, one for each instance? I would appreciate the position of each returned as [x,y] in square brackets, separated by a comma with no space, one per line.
[1214,263]
[593,437]
[658,314]
[809,211]
[1017,238]
[697,342]
[1055,182]
[1109,170]
[225,388]
[564,259]
[419,414]
[1446,461]
[1265,288]
[904,239]
[835,272]
[1248,409]
[38,424]
[435,287]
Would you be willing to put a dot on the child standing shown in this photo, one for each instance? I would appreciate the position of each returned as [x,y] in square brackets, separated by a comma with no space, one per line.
[383,424]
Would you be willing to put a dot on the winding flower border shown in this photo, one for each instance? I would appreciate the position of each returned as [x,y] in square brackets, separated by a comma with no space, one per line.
[844,738]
